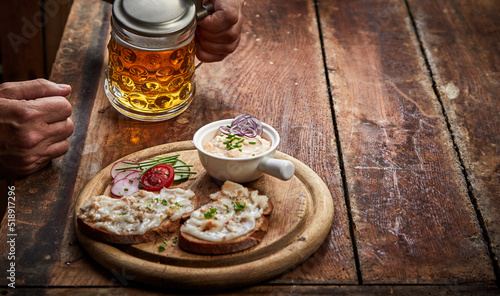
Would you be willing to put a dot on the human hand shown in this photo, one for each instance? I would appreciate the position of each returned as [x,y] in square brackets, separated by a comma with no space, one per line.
[34,125]
[218,34]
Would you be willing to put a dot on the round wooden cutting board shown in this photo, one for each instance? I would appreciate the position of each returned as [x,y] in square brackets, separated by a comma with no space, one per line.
[300,221]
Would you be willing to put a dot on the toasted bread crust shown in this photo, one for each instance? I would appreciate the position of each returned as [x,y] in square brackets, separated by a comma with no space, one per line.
[165,227]
[193,244]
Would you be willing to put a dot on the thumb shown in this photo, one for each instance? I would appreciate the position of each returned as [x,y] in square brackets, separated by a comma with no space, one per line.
[33,89]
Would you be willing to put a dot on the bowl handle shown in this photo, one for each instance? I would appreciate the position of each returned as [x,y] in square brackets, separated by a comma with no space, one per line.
[279,168]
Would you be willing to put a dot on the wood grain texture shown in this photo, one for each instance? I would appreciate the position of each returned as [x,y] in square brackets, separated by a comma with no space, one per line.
[414,221]
[4,195]
[462,44]
[56,14]
[276,75]
[21,39]
[330,290]
[44,198]
[30,37]
[415,227]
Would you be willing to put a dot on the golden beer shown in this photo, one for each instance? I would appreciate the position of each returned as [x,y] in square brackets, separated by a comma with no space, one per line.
[154,83]
[150,72]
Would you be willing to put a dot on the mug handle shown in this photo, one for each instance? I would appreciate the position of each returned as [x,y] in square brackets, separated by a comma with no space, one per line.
[279,168]
[202,10]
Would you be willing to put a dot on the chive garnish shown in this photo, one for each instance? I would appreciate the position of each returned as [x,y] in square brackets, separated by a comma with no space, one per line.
[161,247]
[210,213]
[230,144]
[238,206]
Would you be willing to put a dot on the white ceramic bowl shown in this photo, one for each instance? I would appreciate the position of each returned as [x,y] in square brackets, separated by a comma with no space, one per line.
[241,170]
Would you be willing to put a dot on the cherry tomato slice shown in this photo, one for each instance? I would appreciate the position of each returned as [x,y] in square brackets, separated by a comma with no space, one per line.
[158,177]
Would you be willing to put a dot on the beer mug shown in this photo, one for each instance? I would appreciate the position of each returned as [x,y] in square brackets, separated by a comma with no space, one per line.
[150,72]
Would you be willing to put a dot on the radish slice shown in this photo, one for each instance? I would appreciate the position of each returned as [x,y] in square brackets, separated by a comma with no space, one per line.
[116,168]
[125,174]
[125,187]
[130,176]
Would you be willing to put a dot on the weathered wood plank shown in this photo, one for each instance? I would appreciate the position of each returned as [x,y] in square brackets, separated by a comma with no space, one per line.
[414,222]
[56,13]
[21,38]
[3,196]
[30,37]
[131,289]
[44,198]
[277,75]
[462,41]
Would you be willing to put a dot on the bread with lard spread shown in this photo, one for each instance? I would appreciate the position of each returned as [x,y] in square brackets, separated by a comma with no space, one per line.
[235,219]
[138,218]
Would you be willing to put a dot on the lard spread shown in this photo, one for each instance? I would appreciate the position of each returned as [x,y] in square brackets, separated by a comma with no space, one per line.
[232,146]
[232,213]
[137,213]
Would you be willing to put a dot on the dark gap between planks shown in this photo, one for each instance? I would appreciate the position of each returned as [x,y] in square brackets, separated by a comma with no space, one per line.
[472,197]
[339,149]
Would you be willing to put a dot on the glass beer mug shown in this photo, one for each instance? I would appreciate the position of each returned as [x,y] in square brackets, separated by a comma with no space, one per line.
[150,73]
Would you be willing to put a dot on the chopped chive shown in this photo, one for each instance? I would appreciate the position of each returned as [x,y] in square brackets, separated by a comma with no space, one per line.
[210,213]
[184,172]
[161,247]
[238,206]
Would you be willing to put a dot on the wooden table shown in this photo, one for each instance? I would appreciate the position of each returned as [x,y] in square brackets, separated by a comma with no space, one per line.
[394,104]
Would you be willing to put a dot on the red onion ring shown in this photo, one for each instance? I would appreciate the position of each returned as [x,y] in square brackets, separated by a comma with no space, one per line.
[243,125]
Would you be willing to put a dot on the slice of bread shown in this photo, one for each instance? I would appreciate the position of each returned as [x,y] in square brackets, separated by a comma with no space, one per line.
[236,219]
[139,218]
[159,232]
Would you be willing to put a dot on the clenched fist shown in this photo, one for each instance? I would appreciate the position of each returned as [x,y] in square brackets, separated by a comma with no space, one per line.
[218,34]
[35,125]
